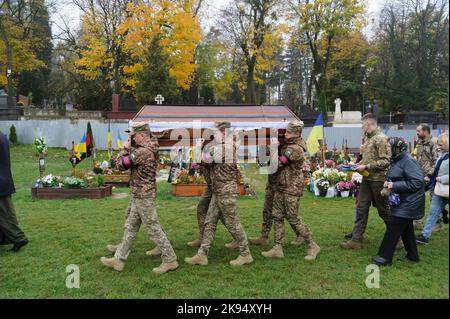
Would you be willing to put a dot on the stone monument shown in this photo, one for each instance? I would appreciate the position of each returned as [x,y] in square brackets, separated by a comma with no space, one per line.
[7,111]
[346,118]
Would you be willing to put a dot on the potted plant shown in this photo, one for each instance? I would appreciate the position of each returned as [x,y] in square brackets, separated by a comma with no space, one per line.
[344,188]
[323,186]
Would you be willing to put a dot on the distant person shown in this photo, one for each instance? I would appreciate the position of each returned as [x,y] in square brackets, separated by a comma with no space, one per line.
[404,180]
[426,155]
[439,183]
[10,232]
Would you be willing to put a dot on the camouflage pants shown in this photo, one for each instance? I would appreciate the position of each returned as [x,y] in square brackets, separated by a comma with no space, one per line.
[369,192]
[142,211]
[202,210]
[286,206]
[223,207]
[267,211]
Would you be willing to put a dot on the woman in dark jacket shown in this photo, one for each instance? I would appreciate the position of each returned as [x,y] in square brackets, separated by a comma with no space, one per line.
[404,181]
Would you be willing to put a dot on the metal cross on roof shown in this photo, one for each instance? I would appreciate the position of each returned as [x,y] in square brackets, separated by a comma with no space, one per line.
[159,99]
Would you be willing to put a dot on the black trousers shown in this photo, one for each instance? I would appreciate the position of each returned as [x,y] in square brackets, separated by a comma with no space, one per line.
[10,232]
[396,228]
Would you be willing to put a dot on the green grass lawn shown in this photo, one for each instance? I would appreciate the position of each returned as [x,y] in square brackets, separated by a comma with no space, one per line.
[76,232]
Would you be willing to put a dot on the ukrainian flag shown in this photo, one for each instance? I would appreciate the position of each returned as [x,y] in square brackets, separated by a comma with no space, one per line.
[109,141]
[80,149]
[315,135]
[119,140]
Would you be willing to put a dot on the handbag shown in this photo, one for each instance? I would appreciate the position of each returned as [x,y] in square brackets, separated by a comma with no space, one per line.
[441,190]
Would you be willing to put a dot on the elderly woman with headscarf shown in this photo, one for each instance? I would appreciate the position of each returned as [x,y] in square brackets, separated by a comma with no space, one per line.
[406,190]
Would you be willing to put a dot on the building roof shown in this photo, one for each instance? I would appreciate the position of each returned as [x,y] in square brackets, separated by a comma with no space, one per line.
[243,117]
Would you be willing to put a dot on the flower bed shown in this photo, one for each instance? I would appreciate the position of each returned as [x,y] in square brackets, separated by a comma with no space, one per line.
[55,187]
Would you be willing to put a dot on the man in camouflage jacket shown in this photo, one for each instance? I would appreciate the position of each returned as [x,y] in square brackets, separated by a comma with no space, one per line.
[289,189]
[376,159]
[223,202]
[143,162]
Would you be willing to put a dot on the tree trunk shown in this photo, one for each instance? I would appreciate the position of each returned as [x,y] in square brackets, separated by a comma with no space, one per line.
[8,63]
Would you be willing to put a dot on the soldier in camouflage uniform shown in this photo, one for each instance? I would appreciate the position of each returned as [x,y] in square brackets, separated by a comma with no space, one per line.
[289,189]
[426,155]
[205,200]
[223,202]
[376,159]
[143,161]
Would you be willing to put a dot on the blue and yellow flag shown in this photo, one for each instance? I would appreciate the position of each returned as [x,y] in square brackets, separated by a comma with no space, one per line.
[110,150]
[119,140]
[80,149]
[315,136]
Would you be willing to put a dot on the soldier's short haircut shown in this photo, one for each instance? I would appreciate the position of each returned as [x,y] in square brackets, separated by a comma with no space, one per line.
[369,116]
[425,127]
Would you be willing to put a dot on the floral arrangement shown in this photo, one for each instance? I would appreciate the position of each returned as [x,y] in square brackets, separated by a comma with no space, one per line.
[184,177]
[332,175]
[357,178]
[323,185]
[108,168]
[344,186]
[330,163]
[51,181]
[87,181]
[40,146]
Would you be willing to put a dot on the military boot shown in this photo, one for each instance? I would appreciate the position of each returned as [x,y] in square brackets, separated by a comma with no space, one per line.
[113,262]
[232,245]
[198,259]
[418,225]
[313,251]
[298,241]
[257,240]
[242,260]
[439,227]
[351,245]
[154,252]
[195,243]
[112,248]
[276,251]
[165,267]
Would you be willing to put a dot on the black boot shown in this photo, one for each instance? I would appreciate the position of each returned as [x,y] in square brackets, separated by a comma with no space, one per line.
[380,261]
[445,216]
[19,245]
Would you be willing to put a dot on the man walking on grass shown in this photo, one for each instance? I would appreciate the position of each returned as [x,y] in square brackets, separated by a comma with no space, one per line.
[10,232]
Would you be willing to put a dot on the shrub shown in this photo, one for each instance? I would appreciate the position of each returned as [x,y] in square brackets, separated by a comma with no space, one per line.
[12,135]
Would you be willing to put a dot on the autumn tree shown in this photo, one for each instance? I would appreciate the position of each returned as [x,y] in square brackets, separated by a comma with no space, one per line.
[322,21]
[17,41]
[251,28]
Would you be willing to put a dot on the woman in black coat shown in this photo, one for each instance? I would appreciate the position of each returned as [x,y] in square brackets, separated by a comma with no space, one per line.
[407,198]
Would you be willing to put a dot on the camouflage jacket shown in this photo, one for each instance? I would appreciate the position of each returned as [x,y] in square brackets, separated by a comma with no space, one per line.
[145,159]
[376,155]
[427,155]
[224,169]
[290,176]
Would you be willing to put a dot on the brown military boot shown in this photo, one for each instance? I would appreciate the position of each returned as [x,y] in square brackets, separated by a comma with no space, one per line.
[195,243]
[276,251]
[154,252]
[112,248]
[418,225]
[298,241]
[351,245]
[257,240]
[439,227]
[313,251]
[165,267]
[232,245]
[242,260]
[198,259]
[113,262]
